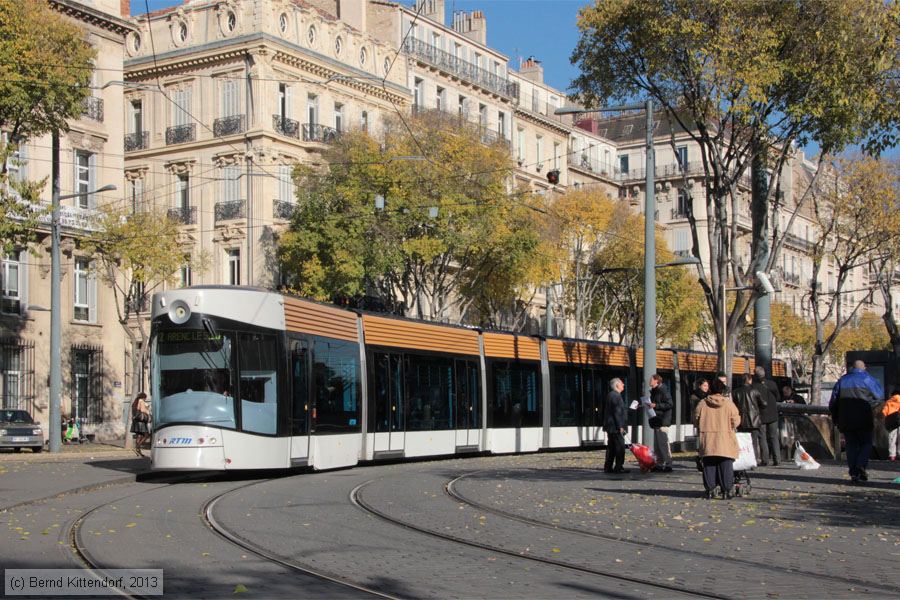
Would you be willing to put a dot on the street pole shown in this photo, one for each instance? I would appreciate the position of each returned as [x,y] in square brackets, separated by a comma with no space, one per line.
[649,275]
[549,312]
[724,314]
[762,313]
[55,320]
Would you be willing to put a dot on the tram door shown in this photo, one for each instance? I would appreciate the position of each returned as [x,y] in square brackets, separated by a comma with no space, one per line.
[467,406]
[300,384]
[388,402]
[592,406]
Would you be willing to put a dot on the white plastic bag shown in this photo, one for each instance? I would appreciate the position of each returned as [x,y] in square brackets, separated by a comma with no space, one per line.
[803,459]
[746,460]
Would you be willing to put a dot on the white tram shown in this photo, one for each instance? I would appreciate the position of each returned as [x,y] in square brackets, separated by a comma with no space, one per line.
[243,378]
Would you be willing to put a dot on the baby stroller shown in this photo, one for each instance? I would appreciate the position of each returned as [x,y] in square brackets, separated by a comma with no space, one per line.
[745,463]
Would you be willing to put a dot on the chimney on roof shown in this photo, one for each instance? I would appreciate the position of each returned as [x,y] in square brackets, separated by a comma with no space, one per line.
[433,9]
[353,13]
[532,70]
[125,8]
[472,25]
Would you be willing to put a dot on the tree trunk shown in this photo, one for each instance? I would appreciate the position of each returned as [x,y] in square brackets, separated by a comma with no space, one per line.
[815,387]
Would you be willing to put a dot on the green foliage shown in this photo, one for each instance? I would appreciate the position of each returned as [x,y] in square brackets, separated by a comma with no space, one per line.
[45,70]
[472,255]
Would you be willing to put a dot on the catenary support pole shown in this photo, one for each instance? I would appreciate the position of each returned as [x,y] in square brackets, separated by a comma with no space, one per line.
[55,428]
[649,274]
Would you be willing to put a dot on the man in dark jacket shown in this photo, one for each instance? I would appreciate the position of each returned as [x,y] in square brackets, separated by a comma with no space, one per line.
[852,400]
[751,404]
[661,403]
[614,424]
[769,440]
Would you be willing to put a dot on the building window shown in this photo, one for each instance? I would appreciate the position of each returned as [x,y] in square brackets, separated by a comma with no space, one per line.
[16,374]
[312,109]
[286,191]
[181,109]
[137,116]
[364,120]
[12,284]
[181,32]
[387,65]
[87,383]
[338,117]
[463,107]
[234,266]
[501,124]
[136,189]
[623,163]
[283,22]
[520,146]
[482,116]
[311,35]
[338,45]
[556,155]
[230,22]
[84,177]
[363,57]
[231,183]
[681,207]
[231,100]
[418,92]
[440,98]
[182,192]
[85,304]
[681,156]
[15,162]
[187,277]
[539,152]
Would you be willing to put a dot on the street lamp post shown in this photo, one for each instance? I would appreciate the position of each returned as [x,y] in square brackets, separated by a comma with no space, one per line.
[54,428]
[649,251]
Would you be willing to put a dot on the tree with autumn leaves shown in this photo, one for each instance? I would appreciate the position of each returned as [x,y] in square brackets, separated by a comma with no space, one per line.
[749,81]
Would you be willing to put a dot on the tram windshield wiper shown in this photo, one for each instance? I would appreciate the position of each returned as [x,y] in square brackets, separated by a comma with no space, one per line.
[208,326]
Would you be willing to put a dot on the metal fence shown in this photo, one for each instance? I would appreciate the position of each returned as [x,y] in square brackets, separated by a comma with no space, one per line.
[86,362]
[17,374]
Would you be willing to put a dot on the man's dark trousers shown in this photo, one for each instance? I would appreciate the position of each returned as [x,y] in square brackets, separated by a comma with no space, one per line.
[661,447]
[615,451]
[859,447]
[769,442]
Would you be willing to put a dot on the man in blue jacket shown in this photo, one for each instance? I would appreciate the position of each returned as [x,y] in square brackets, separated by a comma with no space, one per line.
[852,400]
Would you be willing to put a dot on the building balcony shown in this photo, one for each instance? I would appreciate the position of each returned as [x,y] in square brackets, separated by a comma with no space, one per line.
[313,132]
[180,134]
[458,67]
[186,215]
[489,136]
[792,279]
[282,209]
[139,140]
[230,210]
[228,125]
[679,213]
[284,126]
[92,108]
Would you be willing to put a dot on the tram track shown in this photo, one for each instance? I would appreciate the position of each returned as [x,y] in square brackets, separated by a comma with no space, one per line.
[207,514]
[450,490]
[357,499]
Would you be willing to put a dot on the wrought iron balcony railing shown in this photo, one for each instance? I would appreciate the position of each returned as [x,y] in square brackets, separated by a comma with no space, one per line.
[285,126]
[186,215]
[179,134]
[139,140]
[226,211]
[679,213]
[228,125]
[313,132]
[461,68]
[93,109]
[282,209]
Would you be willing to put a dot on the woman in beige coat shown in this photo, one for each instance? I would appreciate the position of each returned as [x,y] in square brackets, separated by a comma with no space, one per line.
[717,419]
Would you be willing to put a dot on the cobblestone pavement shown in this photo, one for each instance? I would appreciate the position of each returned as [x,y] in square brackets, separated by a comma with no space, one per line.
[799,534]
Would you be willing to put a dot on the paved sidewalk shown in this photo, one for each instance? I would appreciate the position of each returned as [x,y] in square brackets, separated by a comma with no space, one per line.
[30,477]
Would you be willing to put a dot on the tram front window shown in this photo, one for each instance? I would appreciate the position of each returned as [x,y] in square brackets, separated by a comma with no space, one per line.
[192,378]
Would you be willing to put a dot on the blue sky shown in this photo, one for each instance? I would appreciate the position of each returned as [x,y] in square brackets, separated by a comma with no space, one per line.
[544,29]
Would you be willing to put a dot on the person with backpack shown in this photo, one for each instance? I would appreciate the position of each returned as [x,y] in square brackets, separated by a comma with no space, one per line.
[140,422]
[852,400]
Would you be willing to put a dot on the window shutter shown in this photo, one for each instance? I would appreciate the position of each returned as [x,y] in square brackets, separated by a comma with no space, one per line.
[92,294]
[92,180]
[288,102]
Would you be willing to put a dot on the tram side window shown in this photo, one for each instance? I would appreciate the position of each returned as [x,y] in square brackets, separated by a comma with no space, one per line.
[258,363]
[429,381]
[336,373]
[516,401]
[567,392]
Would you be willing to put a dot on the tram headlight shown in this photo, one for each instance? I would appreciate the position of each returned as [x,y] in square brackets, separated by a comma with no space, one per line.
[179,312]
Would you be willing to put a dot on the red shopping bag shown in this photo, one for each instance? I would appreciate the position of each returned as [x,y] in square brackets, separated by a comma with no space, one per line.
[644,455]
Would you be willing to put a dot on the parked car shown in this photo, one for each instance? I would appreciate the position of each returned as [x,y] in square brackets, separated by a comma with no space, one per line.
[18,430]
